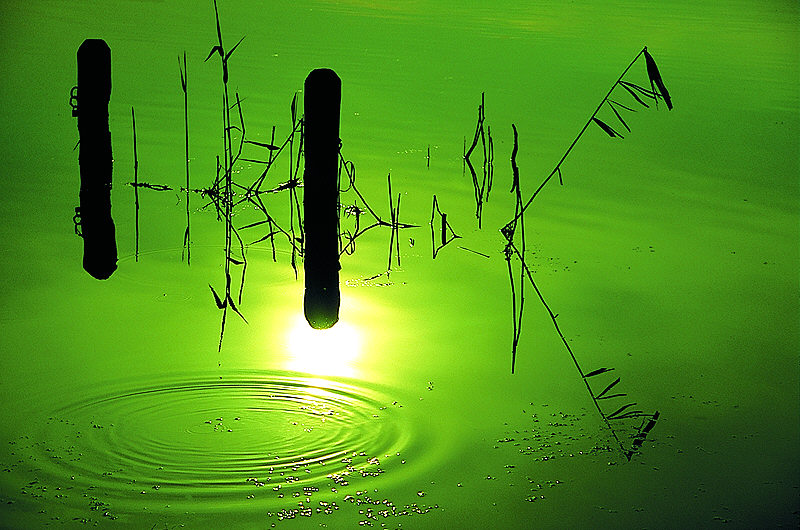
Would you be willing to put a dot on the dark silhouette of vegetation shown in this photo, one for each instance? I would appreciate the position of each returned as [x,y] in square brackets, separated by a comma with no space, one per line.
[135,185]
[514,231]
[187,243]
[230,191]
[354,216]
[446,233]
[482,188]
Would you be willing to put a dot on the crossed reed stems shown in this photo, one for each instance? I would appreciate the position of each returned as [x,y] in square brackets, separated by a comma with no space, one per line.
[514,231]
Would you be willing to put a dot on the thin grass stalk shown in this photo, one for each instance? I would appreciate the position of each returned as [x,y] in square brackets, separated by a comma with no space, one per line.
[522,240]
[393,222]
[135,188]
[516,313]
[397,228]
[187,244]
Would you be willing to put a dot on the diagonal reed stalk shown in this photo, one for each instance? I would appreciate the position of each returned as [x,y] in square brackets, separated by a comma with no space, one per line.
[625,412]
[634,90]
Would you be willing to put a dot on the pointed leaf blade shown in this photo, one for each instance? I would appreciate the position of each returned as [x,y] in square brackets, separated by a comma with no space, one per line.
[607,128]
[216,49]
[268,236]
[618,104]
[612,396]
[615,415]
[251,225]
[227,55]
[597,372]
[619,117]
[655,78]
[609,387]
[632,93]
[260,144]
[229,300]
[219,302]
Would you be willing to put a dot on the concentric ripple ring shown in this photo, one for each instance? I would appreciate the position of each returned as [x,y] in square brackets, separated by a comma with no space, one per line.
[216,438]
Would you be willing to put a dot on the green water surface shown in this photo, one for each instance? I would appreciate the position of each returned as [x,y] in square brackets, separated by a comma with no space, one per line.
[671,256]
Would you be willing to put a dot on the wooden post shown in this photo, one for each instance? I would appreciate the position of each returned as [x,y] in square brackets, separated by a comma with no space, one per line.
[322,99]
[96,224]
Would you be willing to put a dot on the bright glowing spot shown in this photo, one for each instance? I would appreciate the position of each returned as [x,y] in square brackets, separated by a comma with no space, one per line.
[331,351]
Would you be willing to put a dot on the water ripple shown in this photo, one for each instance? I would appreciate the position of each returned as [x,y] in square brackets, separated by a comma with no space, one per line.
[209,443]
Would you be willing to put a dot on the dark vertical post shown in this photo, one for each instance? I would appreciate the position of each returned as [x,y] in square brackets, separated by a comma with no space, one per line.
[94,93]
[322,99]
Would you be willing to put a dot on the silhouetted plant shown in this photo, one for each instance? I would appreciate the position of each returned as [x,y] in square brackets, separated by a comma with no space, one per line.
[516,226]
[227,194]
[484,135]
[226,182]
[636,91]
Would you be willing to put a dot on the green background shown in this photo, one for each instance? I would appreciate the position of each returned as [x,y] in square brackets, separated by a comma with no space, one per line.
[670,255]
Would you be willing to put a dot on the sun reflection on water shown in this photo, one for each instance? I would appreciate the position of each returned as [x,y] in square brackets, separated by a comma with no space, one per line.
[326,352]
